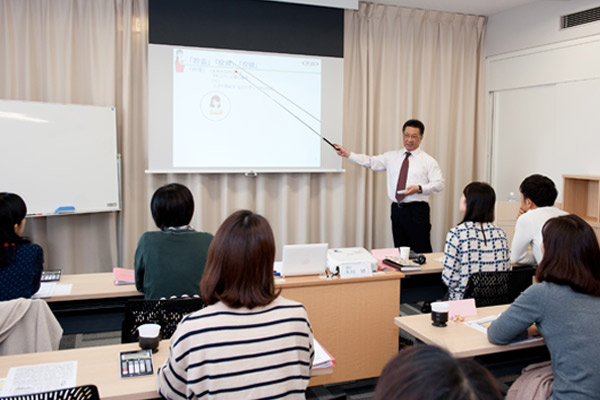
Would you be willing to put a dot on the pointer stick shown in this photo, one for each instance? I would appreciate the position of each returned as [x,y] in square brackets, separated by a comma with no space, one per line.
[279,103]
[329,143]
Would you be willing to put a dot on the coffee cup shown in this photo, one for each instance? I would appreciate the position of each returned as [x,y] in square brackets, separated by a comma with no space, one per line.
[404,252]
[439,313]
[149,336]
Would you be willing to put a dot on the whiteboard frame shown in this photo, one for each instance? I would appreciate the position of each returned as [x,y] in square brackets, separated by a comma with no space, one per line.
[60,155]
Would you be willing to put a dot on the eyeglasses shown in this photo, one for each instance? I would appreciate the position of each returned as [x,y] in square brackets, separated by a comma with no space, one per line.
[413,137]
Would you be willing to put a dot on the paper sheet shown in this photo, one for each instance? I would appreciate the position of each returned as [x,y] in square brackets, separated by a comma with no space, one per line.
[40,378]
[46,289]
[62,289]
[322,358]
[123,276]
[464,308]
[379,254]
[481,324]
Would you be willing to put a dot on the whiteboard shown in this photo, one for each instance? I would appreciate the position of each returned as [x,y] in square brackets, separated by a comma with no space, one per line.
[551,130]
[59,155]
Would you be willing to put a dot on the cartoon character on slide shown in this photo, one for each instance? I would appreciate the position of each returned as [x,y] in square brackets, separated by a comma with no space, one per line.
[179,65]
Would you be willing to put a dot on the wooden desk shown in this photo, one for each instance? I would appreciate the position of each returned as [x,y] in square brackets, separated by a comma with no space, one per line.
[100,366]
[458,338]
[95,303]
[351,318]
[93,286]
[431,266]
[426,284]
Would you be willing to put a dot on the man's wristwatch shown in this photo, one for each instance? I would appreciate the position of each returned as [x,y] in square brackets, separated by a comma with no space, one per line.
[420,189]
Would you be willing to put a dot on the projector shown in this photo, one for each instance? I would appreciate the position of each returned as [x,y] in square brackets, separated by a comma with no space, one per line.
[350,255]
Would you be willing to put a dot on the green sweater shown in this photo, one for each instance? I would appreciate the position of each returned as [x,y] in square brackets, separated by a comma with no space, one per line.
[170,263]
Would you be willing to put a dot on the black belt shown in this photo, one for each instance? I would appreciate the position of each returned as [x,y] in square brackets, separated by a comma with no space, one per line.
[411,204]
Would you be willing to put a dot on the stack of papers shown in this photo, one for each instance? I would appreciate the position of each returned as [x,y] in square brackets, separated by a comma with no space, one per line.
[322,357]
[393,253]
[401,264]
[123,276]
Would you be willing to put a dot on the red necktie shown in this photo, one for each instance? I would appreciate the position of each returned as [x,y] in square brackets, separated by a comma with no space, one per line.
[402,178]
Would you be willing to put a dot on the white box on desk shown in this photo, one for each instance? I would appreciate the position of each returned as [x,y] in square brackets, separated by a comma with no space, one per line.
[350,255]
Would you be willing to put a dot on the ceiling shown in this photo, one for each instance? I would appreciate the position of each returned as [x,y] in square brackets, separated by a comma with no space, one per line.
[473,7]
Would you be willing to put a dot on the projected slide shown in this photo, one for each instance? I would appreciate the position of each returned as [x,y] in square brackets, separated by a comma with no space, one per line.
[222,99]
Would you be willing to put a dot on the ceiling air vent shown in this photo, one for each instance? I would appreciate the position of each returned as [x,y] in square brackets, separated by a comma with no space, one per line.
[580,18]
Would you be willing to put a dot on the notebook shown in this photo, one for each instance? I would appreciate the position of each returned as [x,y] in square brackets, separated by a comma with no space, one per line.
[303,259]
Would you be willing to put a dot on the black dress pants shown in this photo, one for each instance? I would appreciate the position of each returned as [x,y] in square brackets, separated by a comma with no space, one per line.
[411,226]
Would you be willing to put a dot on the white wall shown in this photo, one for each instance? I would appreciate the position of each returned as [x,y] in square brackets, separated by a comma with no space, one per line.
[543,87]
[536,24]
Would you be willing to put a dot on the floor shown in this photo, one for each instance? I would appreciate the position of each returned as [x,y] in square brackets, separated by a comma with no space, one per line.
[500,366]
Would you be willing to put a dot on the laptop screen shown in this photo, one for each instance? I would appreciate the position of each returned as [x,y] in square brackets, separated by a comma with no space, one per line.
[304,259]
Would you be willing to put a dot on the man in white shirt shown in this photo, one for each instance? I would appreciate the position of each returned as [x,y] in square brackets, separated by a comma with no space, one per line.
[412,176]
[538,194]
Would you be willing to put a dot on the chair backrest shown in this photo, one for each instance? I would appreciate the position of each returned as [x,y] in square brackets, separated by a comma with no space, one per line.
[494,288]
[520,279]
[86,392]
[166,313]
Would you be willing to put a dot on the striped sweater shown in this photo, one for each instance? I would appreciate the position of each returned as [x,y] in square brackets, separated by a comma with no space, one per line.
[225,353]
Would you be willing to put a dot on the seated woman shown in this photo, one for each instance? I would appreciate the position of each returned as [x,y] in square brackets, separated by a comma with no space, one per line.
[170,262]
[474,245]
[563,306]
[249,342]
[430,373]
[21,262]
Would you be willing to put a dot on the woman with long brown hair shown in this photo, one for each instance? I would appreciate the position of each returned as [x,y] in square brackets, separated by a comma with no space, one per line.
[564,306]
[248,342]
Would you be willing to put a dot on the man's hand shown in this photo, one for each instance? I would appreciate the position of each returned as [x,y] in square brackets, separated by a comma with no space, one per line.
[411,190]
[341,150]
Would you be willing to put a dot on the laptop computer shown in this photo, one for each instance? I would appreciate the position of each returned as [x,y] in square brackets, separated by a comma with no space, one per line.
[303,259]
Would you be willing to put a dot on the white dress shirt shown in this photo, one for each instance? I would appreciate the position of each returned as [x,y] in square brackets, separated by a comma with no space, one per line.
[528,231]
[422,170]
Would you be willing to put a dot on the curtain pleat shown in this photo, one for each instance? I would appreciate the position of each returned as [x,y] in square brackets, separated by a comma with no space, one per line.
[403,63]
[82,52]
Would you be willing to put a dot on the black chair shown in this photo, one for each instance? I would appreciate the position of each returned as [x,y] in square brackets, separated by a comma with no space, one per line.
[86,392]
[495,288]
[166,313]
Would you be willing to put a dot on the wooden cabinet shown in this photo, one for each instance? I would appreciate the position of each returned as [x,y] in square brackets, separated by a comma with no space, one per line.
[581,196]
[506,217]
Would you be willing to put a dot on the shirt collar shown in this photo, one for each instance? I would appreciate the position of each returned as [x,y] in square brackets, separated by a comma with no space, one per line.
[414,152]
[179,228]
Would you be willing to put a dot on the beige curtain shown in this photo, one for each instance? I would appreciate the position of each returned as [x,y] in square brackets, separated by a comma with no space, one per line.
[81,52]
[403,63]
[399,63]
